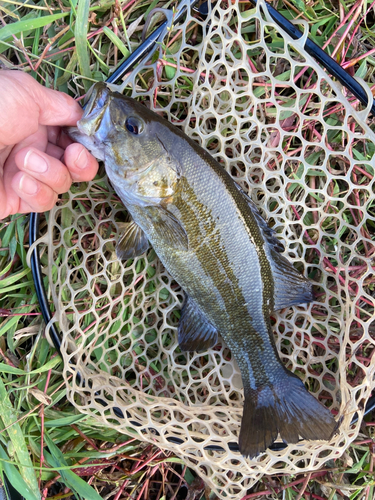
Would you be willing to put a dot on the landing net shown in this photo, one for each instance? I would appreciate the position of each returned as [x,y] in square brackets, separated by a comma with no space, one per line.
[298,143]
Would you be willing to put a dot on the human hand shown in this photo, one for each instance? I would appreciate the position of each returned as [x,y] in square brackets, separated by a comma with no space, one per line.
[37,160]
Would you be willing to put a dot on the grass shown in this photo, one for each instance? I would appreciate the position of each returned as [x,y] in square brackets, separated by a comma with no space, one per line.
[47,448]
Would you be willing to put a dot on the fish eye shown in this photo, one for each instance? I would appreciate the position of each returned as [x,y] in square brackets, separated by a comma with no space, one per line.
[134,125]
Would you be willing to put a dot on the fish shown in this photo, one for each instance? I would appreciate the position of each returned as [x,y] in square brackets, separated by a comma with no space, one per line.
[212,239]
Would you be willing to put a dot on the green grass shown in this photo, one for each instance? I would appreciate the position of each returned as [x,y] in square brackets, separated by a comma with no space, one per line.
[68,45]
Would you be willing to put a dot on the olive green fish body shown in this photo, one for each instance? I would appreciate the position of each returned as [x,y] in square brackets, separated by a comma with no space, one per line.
[223,266]
[211,238]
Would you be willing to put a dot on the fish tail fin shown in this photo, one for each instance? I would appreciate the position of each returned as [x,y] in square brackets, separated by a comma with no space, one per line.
[285,408]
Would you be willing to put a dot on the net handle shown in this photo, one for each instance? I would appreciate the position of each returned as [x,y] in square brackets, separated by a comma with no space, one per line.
[323,58]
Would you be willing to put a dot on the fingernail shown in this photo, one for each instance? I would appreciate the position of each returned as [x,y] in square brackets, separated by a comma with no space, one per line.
[28,185]
[82,160]
[35,162]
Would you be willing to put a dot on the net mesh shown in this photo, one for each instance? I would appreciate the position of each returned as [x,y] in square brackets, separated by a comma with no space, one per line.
[288,135]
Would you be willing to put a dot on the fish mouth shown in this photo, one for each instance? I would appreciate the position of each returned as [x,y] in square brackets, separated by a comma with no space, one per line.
[98,92]
[98,99]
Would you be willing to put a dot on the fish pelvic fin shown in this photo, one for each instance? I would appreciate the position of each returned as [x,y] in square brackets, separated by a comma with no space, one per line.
[195,333]
[285,408]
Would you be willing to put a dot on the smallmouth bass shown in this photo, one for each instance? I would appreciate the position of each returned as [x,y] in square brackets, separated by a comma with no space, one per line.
[213,241]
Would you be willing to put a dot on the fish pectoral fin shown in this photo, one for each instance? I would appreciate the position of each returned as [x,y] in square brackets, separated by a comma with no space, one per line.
[195,333]
[291,287]
[170,229]
[132,243]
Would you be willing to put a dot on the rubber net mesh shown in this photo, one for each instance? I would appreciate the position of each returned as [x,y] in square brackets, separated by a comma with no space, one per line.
[290,137]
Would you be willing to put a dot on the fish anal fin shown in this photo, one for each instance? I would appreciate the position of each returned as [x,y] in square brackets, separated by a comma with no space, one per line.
[290,286]
[195,333]
[132,243]
[286,408]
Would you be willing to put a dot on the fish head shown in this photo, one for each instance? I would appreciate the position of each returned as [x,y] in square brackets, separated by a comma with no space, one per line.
[128,138]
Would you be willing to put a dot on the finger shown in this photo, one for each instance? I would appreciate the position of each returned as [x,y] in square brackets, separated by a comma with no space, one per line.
[56,108]
[4,205]
[25,208]
[4,153]
[81,164]
[44,169]
[21,95]
[19,117]
[55,151]
[56,135]
[37,141]
[22,208]
[34,195]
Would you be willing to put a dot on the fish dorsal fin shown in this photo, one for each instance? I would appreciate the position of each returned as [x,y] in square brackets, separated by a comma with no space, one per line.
[195,333]
[268,233]
[132,243]
[291,288]
[169,228]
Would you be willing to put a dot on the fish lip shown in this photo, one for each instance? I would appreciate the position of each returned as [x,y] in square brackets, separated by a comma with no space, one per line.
[89,101]
[94,109]
[92,118]
[92,96]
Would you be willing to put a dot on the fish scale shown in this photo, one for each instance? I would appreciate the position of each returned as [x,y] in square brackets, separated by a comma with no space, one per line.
[211,238]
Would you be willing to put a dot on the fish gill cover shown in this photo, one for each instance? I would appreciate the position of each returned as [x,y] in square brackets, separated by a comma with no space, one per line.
[291,139]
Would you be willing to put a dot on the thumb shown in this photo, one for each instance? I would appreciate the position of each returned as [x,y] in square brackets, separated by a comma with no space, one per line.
[52,107]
